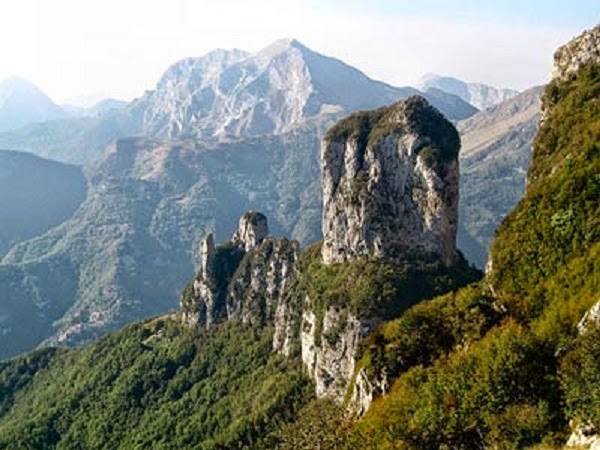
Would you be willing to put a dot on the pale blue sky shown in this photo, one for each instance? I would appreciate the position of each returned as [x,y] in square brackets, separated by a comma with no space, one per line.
[120,48]
[578,13]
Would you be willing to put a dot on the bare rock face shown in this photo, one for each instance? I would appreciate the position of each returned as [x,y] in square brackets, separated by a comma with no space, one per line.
[582,50]
[390,185]
[204,287]
[328,351]
[252,230]
[243,279]
[257,288]
[590,319]
[585,435]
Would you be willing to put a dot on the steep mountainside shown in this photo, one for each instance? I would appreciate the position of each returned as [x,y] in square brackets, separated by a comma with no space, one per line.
[22,103]
[232,93]
[229,94]
[35,195]
[264,312]
[164,200]
[522,382]
[507,363]
[129,248]
[495,155]
[479,95]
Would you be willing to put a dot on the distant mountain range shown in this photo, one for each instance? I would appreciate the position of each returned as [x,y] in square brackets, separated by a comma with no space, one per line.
[479,95]
[228,95]
[99,108]
[495,155]
[233,93]
[22,103]
[219,135]
[35,195]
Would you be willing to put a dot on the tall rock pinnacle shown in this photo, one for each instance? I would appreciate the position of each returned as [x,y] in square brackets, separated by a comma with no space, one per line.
[252,230]
[390,185]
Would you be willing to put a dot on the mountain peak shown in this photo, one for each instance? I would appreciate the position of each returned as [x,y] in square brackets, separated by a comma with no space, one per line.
[366,208]
[18,84]
[280,46]
[479,95]
[22,102]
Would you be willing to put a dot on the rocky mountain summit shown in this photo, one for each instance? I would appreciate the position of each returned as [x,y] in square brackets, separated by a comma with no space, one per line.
[571,57]
[242,279]
[22,103]
[390,184]
[229,94]
[479,95]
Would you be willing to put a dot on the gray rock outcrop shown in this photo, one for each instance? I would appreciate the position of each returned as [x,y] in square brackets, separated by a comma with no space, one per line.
[204,286]
[243,279]
[582,50]
[590,318]
[390,185]
[329,349]
[252,230]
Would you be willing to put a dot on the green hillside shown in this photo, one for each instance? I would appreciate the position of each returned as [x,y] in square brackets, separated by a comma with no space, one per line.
[497,364]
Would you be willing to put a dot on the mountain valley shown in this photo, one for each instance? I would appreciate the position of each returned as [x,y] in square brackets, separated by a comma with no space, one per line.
[380,336]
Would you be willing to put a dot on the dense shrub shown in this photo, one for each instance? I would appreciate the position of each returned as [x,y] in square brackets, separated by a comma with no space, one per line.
[156,385]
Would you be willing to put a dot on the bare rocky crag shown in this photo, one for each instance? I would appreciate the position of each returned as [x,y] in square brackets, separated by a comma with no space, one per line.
[390,184]
[390,190]
[242,279]
[571,57]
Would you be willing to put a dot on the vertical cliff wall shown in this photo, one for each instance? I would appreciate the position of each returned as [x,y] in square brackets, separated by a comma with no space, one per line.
[390,185]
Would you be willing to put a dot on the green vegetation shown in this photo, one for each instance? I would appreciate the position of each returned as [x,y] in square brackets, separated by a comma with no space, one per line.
[428,331]
[559,218]
[367,128]
[358,126]
[319,425]
[155,385]
[580,377]
[500,378]
[500,392]
[369,288]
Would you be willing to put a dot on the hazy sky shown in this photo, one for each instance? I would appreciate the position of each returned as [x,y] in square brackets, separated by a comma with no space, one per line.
[119,48]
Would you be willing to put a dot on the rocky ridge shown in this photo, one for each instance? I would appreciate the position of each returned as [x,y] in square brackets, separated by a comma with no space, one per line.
[582,50]
[405,158]
[243,279]
[479,95]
